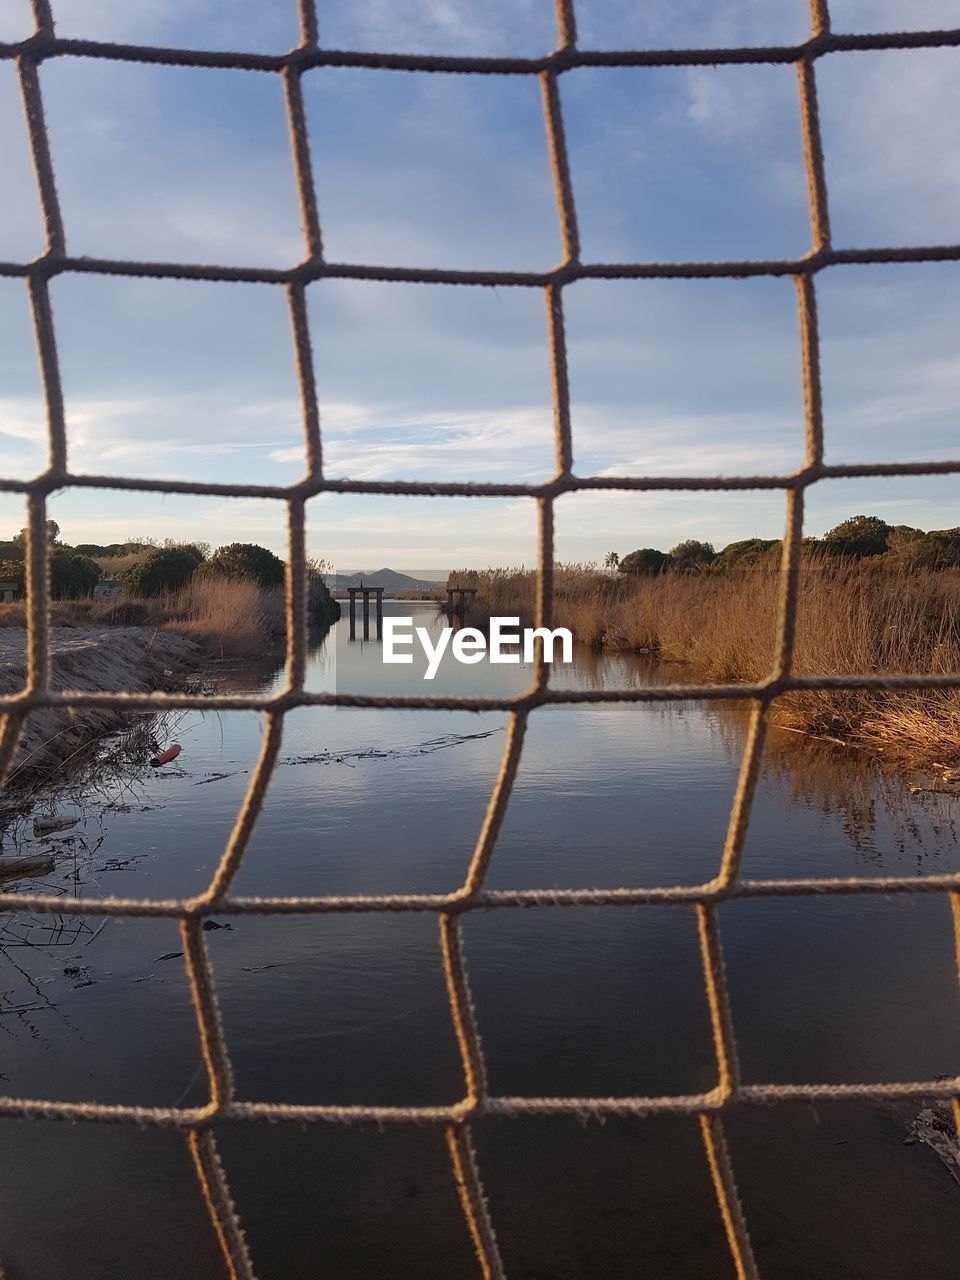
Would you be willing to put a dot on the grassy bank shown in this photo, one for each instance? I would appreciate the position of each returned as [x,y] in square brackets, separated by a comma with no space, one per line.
[229,617]
[853,617]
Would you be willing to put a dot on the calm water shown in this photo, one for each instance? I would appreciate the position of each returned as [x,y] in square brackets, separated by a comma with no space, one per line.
[579,1001]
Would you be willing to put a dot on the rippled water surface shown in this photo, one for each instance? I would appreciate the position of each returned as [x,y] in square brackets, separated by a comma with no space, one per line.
[575,1001]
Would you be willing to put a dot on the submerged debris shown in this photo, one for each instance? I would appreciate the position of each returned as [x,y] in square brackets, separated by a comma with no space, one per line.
[79,976]
[34,864]
[43,826]
[391,753]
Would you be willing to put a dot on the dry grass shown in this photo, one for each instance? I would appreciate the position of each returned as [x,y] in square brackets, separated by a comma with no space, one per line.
[853,617]
[232,617]
[113,566]
[86,613]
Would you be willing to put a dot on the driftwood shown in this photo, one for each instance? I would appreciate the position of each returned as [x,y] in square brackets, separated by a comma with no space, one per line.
[820,737]
[43,826]
[28,865]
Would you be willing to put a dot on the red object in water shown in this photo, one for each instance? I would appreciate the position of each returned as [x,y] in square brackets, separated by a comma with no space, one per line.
[165,757]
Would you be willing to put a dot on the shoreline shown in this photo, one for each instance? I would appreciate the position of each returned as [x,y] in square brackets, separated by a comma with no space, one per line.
[128,659]
[722,630]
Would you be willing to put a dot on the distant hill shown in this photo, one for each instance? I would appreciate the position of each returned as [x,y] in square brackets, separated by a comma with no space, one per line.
[390,579]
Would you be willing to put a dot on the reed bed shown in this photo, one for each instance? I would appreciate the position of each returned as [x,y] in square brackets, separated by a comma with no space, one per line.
[233,617]
[853,617]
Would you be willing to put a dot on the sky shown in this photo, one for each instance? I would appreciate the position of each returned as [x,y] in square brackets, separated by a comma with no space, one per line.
[193,380]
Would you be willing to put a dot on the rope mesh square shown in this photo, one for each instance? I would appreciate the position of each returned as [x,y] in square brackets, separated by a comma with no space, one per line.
[196,1123]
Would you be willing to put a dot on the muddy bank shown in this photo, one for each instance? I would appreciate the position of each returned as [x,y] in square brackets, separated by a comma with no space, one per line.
[133,659]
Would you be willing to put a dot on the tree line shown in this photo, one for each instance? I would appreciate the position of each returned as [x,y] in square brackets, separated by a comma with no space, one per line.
[857,538]
[143,568]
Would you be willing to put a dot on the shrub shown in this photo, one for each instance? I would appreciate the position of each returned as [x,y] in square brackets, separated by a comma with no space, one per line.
[909,548]
[13,571]
[647,560]
[321,606]
[858,536]
[164,569]
[946,548]
[745,554]
[72,575]
[247,560]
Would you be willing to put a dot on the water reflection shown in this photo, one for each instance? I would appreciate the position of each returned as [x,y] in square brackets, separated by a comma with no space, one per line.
[605,1001]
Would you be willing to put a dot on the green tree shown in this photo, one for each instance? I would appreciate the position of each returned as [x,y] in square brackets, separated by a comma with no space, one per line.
[19,540]
[745,554]
[691,554]
[164,569]
[611,560]
[646,561]
[72,575]
[247,560]
[859,536]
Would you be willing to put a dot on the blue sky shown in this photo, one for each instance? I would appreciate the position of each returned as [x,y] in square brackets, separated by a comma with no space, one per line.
[196,380]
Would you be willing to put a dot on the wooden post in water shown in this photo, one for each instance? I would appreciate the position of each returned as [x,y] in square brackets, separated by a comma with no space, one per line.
[365,593]
[457,600]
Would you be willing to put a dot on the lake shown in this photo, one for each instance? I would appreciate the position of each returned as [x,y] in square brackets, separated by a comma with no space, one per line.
[578,1001]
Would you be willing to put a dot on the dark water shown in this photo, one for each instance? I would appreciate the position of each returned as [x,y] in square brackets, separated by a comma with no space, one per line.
[570,1001]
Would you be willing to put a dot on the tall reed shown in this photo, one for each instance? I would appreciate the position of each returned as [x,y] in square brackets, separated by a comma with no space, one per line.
[853,617]
[233,615]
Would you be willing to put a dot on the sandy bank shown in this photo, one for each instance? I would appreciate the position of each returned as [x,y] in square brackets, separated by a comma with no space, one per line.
[132,659]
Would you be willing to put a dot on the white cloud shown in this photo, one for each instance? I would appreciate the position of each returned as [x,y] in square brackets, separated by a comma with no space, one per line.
[440,26]
[16,20]
[172,163]
[413,389]
[892,15]
[159,436]
[238,24]
[23,417]
[892,149]
[689,23]
[21,227]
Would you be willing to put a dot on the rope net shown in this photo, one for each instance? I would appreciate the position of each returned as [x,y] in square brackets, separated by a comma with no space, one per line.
[197,1123]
